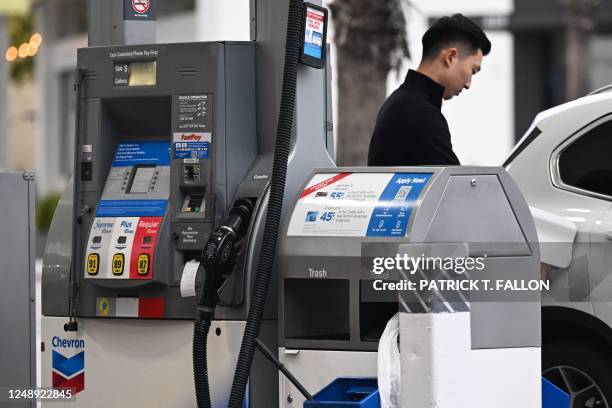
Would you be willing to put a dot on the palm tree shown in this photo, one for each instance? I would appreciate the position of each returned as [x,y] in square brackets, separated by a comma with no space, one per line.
[371,40]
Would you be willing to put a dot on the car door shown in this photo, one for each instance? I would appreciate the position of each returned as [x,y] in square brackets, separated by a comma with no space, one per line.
[600,267]
[583,166]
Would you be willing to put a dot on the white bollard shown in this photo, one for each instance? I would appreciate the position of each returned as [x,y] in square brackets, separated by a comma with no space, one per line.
[440,369]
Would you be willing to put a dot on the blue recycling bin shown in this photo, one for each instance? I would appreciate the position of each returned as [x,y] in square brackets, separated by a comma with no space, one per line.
[347,392]
[553,396]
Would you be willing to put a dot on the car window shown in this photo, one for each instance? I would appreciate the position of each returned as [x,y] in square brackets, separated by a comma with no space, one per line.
[586,163]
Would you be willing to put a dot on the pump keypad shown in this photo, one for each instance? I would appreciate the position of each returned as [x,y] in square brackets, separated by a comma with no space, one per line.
[194,203]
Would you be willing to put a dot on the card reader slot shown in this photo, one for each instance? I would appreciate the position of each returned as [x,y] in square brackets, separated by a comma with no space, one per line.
[191,173]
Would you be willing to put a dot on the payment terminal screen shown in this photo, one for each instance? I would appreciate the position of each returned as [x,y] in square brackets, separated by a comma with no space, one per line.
[313,33]
[142,180]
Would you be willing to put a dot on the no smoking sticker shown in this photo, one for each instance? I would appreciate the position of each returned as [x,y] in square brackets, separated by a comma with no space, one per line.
[140,6]
[139,9]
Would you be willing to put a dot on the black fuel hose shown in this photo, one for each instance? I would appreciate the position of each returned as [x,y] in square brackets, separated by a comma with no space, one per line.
[200,362]
[217,260]
[275,205]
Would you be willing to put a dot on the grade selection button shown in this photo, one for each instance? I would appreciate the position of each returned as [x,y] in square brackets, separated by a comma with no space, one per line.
[93,263]
[118,262]
[143,264]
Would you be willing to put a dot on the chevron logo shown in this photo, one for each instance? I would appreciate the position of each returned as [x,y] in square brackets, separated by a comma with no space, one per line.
[68,372]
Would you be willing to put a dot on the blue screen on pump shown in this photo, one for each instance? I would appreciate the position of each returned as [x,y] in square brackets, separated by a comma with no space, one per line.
[313,34]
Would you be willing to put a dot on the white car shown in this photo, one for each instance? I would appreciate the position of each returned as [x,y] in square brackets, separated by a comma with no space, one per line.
[563,165]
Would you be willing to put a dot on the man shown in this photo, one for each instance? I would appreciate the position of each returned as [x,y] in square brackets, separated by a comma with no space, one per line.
[410,129]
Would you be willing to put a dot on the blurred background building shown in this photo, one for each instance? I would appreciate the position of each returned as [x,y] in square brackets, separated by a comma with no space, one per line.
[528,70]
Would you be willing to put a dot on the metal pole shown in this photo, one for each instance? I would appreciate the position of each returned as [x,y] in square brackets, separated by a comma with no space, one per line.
[4,96]
[122,22]
[272,358]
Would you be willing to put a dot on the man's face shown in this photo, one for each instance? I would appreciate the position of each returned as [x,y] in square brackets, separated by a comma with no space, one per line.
[460,66]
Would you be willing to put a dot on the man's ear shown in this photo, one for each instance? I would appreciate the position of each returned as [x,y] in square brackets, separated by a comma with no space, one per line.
[449,55]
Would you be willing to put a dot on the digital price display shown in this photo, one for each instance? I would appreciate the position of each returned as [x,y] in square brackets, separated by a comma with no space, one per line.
[142,179]
[142,73]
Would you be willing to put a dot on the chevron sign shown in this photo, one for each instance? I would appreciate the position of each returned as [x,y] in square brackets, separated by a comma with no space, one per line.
[68,372]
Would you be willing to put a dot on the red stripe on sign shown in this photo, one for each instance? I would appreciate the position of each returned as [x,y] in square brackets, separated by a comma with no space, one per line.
[151,307]
[323,184]
[315,14]
[75,384]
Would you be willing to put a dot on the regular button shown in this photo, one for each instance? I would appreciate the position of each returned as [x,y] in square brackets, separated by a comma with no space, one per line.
[143,264]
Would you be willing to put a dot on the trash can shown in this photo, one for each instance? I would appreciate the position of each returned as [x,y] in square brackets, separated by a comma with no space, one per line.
[553,396]
[347,392]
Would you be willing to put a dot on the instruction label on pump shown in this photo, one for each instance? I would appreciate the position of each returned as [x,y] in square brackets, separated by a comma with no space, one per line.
[192,145]
[194,112]
[357,204]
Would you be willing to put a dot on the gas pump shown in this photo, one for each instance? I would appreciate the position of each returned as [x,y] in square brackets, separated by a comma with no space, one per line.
[173,166]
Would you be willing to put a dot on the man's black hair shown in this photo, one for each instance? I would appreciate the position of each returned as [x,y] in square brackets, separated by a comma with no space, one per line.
[454,29]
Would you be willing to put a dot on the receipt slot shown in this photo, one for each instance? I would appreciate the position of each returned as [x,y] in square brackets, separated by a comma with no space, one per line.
[458,348]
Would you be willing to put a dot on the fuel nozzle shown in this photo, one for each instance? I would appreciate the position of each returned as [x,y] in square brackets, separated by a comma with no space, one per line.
[218,256]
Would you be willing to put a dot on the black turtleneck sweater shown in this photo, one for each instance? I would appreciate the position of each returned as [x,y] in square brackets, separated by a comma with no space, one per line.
[410,129]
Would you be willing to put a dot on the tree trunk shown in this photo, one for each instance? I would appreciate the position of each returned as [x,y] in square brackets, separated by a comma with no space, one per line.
[370,38]
[361,91]
[579,26]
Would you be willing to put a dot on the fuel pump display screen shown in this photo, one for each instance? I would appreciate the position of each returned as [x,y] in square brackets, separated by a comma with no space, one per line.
[141,73]
[141,182]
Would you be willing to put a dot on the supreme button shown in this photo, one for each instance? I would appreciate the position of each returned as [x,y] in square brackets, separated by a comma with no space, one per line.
[93,261]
